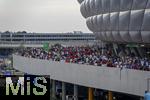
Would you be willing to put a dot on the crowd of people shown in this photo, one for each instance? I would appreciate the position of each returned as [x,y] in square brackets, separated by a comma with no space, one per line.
[90,55]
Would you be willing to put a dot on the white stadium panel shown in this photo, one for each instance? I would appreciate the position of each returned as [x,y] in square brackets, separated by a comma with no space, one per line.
[124,18]
[83,10]
[89,24]
[95,8]
[114,21]
[90,13]
[136,20]
[109,36]
[117,36]
[100,22]
[135,36]
[105,6]
[93,26]
[139,4]
[98,5]
[96,35]
[146,21]
[96,21]
[106,22]
[94,18]
[87,7]
[114,5]
[92,7]
[125,36]
[125,5]
[103,34]
[145,36]
[100,36]
[148,4]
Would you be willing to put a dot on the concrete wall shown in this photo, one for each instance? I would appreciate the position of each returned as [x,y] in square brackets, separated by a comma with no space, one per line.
[125,80]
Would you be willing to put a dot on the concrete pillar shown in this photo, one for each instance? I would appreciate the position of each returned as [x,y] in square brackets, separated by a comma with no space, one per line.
[75,88]
[63,91]
[110,95]
[53,89]
[90,94]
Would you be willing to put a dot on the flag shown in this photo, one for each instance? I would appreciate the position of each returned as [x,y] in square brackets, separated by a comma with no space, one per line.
[46,46]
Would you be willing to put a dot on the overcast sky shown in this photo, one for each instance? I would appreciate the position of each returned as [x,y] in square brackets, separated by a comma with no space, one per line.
[41,16]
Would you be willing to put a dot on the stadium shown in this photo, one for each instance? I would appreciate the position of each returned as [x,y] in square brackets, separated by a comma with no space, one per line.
[112,64]
[125,21]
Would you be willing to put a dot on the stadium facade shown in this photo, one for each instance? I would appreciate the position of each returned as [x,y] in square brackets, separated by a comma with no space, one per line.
[121,21]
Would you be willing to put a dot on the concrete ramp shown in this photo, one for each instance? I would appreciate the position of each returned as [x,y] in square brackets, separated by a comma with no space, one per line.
[126,80]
